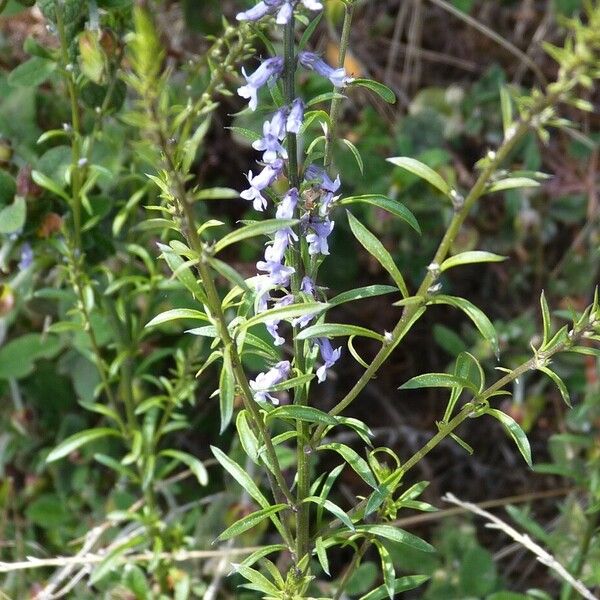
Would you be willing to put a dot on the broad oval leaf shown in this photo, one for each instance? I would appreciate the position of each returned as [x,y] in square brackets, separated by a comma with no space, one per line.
[372,245]
[177,313]
[80,439]
[337,330]
[253,230]
[250,521]
[443,380]
[468,258]
[392,206]
[515,431]
[13,216]
[423,171]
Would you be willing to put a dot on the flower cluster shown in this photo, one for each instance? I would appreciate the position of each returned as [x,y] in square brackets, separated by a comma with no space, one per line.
[311,201]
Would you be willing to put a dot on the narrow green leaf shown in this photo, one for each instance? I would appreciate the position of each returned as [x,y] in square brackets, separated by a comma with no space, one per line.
[49,184]
[310,29]
[423,171]
[547,321]
[515,431]
[194,464]
[250,521]
[247,437]
[395,534]
[402,584]
[356,154]
[241,476]
[261,553]
[293,382]
[387,568]
[368,291]
[217,193]
[115,557]
[392,206]
[80,439]
[510,183]
[337,330]
[383,91]
[560,384]
[31,73]
[322,555]
[299,412]
[358,464]
[443,380]
[334,509]
[226,392]
[258,581]
[177,313]
[507,109]
[483,324]
[468,258]
[253,230]
[372,245]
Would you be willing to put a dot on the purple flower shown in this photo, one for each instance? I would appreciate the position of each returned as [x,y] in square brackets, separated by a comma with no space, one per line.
[279,274]
[308,287]
[296,116]
[273,326]
[312,61]
[285,13]
[261,181]
[329,356]
[26,256]
[259,11]
[328,186]
[317,240]
[265,381]
[270,144]
[287,206]
[271,67]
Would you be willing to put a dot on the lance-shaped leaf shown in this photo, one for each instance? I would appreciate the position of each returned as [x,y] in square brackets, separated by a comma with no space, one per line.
[182,272]
[547,321]
[217,193]
[383,91]
[423,171]
[334,509]
[337,330]
[253,230]
[506,109]
[368,291]
[392,206]
[258,581]
[372,245]
[195,465]
[356,154]
[322,555]
[560,384]
[358,464]
[247,438]
[285,312]
[443,380]
[395,534]
[299,412]
[387,568]
[402,584]
[483,324]
[226,391]
[468,258]
[80,439]
[261,553]
[250,521]
[510,183]
[177,313]
[515,431]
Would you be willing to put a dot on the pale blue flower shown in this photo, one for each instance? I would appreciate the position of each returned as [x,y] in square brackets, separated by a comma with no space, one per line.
[26,256]
[329,356]
[272,67]
[312,61]
[317,239]
[296,116]
[288,204]
[270,144]
[308,287]
[265,381]
[259,11]
[273,326]
[261,181]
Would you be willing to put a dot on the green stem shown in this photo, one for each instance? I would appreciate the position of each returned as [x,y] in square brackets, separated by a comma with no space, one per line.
[410,310]
[336,102]
[300,396]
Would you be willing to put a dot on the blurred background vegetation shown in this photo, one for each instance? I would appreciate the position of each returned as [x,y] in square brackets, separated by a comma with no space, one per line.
[447,61]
